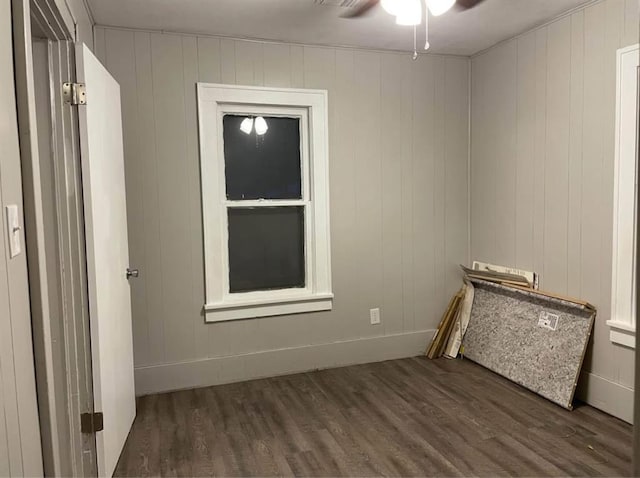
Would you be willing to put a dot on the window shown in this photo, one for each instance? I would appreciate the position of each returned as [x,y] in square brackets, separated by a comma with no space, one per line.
[265,195]
[623,300]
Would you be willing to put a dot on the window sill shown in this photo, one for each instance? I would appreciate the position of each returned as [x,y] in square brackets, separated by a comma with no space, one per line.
[622,333]
[235,310]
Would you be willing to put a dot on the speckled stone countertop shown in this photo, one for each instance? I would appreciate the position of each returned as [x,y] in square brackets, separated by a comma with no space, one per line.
[533,340]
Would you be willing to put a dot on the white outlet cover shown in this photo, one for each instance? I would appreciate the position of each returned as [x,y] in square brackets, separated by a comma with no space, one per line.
[374,315]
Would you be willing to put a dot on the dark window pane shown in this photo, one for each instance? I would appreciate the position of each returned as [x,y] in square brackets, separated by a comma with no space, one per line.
[262,166]
[266,248]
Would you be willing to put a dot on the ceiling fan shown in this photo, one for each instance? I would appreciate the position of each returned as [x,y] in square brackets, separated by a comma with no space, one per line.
[406,7]
[409,12]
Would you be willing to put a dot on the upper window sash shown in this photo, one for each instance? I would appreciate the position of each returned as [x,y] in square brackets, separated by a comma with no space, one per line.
[301,112]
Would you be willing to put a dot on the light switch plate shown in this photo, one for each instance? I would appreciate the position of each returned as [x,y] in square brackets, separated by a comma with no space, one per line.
[13,229]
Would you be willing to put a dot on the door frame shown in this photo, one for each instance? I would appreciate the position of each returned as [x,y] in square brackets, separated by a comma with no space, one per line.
[66,450]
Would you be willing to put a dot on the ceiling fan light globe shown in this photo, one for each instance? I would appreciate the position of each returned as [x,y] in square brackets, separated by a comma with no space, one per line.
[261,126]
[438,7]
[247,125]
[390,6]
[409,12]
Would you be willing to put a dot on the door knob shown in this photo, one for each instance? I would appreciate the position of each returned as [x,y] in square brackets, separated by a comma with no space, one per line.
[132,273]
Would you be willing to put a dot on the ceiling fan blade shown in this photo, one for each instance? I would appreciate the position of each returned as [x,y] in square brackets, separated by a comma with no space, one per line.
[362,8]
[467,4]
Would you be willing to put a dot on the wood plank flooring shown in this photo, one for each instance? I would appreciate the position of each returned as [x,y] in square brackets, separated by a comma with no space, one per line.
[410,417]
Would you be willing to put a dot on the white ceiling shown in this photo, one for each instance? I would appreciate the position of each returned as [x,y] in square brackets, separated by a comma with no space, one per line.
[303,21]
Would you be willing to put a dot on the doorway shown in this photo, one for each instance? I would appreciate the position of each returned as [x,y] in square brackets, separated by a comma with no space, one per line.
[54,230]
[77,245]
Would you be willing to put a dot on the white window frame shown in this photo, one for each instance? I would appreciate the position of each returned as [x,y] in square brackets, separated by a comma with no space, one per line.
[310,106]
[623,298]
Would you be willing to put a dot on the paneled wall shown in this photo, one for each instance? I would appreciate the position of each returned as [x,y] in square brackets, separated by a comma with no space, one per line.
[20,453]
[398,189]
[542,149]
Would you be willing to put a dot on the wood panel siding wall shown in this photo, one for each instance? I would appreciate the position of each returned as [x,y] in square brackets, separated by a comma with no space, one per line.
[398,189]
[20,452]
[542,150]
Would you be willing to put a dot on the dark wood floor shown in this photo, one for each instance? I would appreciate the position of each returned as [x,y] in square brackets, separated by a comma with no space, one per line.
[411,417]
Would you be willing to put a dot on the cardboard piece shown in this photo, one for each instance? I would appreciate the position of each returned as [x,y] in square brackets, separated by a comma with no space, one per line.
[462,322]
[443,332]
[499,277]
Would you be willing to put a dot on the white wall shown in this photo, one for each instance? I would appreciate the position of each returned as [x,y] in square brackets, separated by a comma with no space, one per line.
[398,174]
[20,453]
[542,149]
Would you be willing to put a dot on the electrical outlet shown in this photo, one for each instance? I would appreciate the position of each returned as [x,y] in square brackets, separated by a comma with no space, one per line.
[374,315]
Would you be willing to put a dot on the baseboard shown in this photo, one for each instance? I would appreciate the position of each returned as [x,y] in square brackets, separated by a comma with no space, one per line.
[605,395]
[236,368]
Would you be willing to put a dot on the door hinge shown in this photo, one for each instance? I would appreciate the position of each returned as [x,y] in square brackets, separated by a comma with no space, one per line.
[91,422]
[74,93]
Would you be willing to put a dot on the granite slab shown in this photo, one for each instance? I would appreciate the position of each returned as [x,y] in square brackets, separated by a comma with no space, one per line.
[536,341]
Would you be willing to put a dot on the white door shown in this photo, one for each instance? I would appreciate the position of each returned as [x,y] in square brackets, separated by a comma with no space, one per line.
[107,257]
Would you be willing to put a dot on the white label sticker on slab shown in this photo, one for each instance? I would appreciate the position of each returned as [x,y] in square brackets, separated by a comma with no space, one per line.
[548,320]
